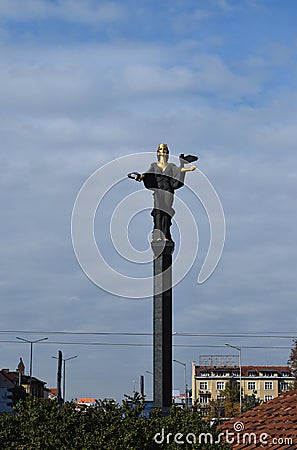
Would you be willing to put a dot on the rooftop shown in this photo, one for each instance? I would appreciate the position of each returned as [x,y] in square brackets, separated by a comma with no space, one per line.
[245,370]
[272,425]
[14,377]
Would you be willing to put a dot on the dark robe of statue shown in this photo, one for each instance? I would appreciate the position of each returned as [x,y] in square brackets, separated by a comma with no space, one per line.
[163,183]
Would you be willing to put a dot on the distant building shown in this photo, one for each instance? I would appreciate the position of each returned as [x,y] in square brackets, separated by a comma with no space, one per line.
[10,393]
[181,400]
[21,367]
[83,401]
[19,379]
[263,382]
[5,385]
[50,393]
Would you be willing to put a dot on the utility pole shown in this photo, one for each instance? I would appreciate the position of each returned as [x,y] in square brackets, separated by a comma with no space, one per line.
[141,385]
[59,377]
[64,373]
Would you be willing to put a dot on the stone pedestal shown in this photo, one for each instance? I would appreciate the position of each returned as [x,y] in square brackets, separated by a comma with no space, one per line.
[163,324]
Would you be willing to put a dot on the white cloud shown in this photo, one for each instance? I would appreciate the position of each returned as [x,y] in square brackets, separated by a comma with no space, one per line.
[77,79]
[149,79]
[215,77]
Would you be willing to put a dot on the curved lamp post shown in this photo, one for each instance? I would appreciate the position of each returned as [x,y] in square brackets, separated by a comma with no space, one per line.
[31,355]
[185,379]
[64,373]
[240,374]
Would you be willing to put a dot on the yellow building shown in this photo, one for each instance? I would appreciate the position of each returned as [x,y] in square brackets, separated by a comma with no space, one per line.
[264,382]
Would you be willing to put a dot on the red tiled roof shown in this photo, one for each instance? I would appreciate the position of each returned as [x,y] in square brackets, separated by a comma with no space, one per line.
[244,369]
[10,375]
[85,400]
[279,369]
[272,425]
[53,390]
[14,376]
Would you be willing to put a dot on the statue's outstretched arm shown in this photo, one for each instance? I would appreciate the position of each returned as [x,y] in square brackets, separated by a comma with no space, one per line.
[188,169]
[187,160]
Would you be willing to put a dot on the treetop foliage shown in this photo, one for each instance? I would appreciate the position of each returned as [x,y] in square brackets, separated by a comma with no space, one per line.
[43,425]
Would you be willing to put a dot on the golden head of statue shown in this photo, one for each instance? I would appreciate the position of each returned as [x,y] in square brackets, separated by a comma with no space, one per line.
[163,151]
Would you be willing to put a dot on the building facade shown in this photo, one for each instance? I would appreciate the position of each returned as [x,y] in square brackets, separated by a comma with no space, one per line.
[5,392]
[262,382]
[34,387]
[10,393]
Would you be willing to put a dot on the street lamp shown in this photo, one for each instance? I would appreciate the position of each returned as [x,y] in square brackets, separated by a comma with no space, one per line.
[150,373]
[31,355]
[240,377]
[185,381]
[64,373]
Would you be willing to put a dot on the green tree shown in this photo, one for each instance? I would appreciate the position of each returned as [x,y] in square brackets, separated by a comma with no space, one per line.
[231,399]
[293,363]
[42,425]
[250,401]
[227,404]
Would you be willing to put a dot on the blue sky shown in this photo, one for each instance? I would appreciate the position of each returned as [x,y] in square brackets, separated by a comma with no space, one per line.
[85,82]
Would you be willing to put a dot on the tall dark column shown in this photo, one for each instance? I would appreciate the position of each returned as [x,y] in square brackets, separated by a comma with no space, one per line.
[163,324]
[59,378]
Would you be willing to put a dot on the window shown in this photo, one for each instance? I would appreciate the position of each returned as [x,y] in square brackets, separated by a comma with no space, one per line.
[220,385]
[285,374]
[251,374]
[284,386]
[268,385]
[203,399]
[268,397]
[268,374]
[251,385]
[204,374]
[203,385]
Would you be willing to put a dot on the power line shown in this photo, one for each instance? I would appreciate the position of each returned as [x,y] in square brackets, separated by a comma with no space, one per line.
[99,333]
[270,334]
[130,344]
